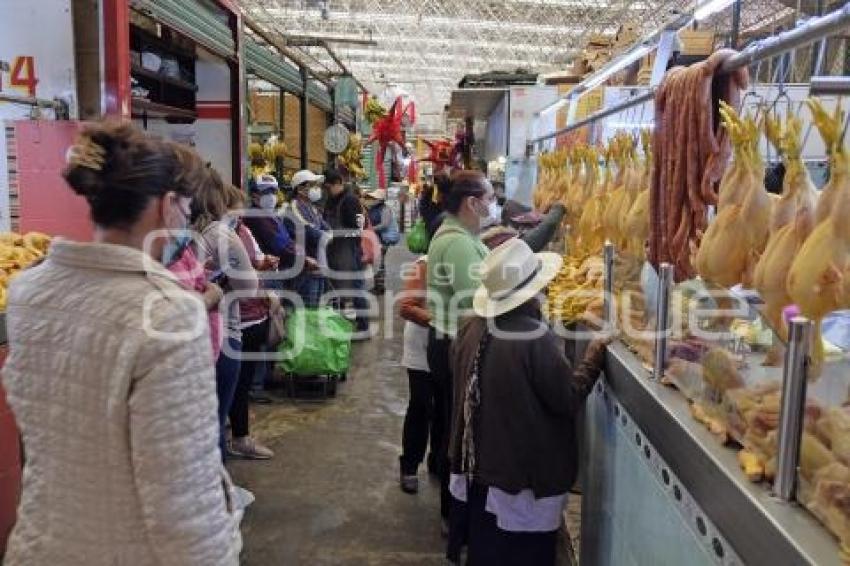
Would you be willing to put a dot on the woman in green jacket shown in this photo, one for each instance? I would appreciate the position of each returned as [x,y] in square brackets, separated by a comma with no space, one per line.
[454,256]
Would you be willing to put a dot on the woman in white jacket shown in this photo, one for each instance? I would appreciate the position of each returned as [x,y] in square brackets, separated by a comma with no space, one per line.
[110,377]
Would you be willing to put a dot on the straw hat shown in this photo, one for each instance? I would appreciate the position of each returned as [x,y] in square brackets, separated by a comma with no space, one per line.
[378,194]
[511,275]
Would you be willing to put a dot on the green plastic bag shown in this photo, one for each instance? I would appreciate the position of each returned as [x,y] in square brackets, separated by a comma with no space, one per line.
[318,342]
[417,238]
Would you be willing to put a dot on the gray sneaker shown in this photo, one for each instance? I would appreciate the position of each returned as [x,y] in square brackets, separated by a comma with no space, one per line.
[249,449]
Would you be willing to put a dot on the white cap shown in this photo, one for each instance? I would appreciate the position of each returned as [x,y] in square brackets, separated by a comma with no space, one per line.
[305,176]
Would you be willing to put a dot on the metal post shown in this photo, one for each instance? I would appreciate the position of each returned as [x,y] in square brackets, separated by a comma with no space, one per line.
[608,310]
[793,404]
[303,122]
[662,319]
[736,24]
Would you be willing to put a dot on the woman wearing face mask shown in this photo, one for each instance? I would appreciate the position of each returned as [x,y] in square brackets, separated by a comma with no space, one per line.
[110,377]
[304,221]
[229,263]
[454,254]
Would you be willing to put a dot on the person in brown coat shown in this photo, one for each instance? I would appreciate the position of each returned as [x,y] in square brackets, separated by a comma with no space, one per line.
[513,448]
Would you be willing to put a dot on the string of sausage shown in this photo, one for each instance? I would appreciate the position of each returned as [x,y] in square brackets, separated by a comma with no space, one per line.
[691,153]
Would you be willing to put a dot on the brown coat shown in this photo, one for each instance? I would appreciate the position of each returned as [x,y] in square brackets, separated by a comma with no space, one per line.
[530,394]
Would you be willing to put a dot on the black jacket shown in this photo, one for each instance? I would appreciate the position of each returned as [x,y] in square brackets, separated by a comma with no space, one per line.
[525,434]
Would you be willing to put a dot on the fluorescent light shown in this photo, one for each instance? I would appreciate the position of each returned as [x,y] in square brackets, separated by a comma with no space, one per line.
[711,7]
[557,105]
[616,66]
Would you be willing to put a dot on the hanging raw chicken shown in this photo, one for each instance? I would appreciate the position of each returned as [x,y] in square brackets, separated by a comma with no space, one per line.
[591,229]
[611,215]
[637,220]
[817,281]
[791,223]
[723,254]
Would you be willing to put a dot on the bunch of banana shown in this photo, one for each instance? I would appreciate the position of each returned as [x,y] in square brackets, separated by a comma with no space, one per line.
[577,289]
[18,252]
[374,111]
[274,150]
[352,157]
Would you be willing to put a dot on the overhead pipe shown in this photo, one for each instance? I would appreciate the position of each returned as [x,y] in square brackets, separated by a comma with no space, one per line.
[804,34]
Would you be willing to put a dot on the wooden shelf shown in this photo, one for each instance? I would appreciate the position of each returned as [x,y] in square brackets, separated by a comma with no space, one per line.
[142,107]
[142,72]
[160,43]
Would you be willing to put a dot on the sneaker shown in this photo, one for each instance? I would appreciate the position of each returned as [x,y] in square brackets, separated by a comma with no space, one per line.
[409,483]
[249,449]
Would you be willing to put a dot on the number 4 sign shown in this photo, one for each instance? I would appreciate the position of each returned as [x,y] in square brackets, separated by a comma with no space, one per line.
[21,74]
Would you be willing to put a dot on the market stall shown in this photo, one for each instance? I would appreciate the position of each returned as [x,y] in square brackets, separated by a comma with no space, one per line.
[722,415]
[185,77]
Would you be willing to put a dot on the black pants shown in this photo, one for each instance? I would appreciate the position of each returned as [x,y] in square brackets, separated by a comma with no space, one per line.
[253,339]
[438,360]
[491,546]
[420,422]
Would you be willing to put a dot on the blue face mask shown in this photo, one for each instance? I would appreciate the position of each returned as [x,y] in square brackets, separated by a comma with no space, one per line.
[174,247]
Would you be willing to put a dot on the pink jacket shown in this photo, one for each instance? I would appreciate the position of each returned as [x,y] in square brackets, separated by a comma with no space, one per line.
[192,275]
[251,309]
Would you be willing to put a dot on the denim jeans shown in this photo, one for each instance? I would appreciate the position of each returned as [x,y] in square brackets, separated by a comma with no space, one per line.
[226,378]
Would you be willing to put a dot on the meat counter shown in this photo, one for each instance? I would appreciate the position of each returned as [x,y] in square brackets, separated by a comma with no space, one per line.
[660,487]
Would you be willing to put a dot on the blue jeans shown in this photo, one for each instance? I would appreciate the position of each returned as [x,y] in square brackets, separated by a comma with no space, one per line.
[226,378]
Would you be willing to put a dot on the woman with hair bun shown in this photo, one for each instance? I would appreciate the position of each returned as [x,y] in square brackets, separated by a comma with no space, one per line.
[110,377]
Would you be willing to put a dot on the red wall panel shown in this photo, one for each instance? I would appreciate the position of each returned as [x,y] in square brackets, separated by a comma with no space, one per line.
[10,466]
[47,204]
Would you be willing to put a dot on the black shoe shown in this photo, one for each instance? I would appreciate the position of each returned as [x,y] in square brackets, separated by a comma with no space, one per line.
[409,484]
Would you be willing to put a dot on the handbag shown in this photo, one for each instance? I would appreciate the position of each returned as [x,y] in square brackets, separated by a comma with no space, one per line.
[370,245]
[277,323]
[417,238]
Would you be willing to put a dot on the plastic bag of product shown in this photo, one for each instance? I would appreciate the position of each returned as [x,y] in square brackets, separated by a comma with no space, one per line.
[318,342]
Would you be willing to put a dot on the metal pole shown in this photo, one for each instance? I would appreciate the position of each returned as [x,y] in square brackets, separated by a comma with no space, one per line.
[736,24]
[662,319]
[608,310]
[304,147]
[793,405]
[804,34]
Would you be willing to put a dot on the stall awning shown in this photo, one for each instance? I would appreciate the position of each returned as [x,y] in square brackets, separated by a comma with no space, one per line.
[347,116]
[267,65]
[475,103]
[320,97]
[194,20]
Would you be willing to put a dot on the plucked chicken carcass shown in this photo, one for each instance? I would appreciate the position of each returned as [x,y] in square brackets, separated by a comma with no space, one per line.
[611,213]
[791,223]
[590,223]
[637,219]
[817,280]
[723,256]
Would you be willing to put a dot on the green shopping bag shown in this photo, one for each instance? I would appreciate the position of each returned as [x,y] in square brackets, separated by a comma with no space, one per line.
[417,238]
[318,342]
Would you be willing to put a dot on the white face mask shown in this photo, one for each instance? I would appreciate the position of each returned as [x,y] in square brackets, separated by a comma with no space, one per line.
[314,194]
[268,202]
[492,215]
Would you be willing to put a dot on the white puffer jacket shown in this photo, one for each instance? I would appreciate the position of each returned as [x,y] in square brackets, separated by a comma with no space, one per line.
[118,416]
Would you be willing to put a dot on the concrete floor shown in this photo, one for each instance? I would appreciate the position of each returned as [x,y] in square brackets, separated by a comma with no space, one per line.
[330,496]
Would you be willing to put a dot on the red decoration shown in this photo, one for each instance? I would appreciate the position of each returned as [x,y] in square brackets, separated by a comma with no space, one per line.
[440,153]
[388,130]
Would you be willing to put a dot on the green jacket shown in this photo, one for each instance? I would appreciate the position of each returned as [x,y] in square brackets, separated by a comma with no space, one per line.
[454,256]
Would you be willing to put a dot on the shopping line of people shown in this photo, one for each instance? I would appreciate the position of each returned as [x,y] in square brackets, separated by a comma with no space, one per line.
[129,391]
[492,394]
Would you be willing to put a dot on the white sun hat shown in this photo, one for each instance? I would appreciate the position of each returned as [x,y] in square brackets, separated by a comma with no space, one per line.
[378,194]
[306,176]
[511,275]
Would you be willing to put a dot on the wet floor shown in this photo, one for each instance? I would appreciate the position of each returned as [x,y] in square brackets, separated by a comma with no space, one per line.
[330,496]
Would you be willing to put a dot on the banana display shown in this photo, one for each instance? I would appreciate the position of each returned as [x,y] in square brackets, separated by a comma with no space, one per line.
[352,157]
[16,253]
[374,111]
[264,156]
